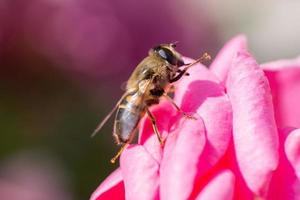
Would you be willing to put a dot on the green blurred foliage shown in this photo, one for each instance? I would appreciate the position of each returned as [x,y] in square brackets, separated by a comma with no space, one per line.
[44,111]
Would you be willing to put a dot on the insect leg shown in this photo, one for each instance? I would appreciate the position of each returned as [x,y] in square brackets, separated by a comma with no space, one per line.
[181,73]
[205,56]
[178,109]
[154,125]
[123,147]
[186,74]
[170,90]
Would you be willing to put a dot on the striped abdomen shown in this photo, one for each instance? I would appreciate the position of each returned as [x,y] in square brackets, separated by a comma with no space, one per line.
[128,115]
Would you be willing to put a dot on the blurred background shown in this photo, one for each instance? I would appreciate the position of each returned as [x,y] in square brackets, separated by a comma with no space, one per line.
[63,63]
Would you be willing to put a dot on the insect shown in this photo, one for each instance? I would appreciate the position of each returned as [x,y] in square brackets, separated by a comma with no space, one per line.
[147,84]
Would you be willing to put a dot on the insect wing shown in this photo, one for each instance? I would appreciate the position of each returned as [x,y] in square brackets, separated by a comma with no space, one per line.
[102,123]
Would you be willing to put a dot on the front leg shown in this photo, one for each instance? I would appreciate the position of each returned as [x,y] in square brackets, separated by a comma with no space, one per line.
[186,74]
[205,56]
[176,78]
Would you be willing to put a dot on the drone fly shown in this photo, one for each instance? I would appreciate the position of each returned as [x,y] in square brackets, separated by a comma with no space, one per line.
[147,84]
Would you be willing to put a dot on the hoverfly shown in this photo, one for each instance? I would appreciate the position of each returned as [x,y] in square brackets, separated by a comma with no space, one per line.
[145,87]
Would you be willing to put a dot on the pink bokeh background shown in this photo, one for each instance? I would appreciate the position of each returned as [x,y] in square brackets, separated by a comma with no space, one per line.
[63,63]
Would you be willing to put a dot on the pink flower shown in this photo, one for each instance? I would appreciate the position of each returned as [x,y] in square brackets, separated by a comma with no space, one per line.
[236,149]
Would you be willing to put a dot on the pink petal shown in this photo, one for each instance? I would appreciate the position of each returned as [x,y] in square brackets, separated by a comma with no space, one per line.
[223,60]
[292,150]
[284,78]
[220,187]
[201,93]
[284,183]
[179,166]
[254,129]
[281,64]
[228,161]
[140,172]
[111,188]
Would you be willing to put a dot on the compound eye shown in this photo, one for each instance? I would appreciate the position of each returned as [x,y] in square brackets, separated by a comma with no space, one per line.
[168,56]
[163,54]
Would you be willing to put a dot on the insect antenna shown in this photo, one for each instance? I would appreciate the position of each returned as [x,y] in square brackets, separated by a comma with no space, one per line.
[204,57]
[174,44]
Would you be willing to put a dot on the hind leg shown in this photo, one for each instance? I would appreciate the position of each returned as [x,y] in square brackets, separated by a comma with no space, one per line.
[123,147]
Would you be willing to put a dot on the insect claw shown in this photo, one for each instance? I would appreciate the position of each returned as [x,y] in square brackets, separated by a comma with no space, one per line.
[162,142]
[113,160]
[189,116]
